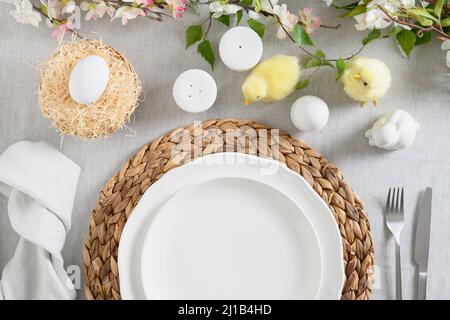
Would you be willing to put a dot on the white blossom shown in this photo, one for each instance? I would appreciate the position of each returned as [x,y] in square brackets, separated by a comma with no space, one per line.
[24,13]
[287,21]
[254,15]
[372,19]
[328,2]
[126,13]
[408,4]
[445,45]
[14,2]
[223,7]
[375,18]
[69,7]
[267,5]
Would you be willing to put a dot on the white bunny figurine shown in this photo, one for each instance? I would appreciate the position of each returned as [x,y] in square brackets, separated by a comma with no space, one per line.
[394,130]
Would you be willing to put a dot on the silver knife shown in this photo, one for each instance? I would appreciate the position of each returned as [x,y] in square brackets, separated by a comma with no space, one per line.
[423,242]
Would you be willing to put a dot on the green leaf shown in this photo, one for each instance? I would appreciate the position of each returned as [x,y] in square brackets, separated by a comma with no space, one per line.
[406,40]
[395,30]
[438,8]
[445,22]
[247,2]
[374,34]
[354,12]
[425,22]
[302,84]
[238,17]
[43,9]
[421,12]
[206,51]
[224,19]
[425,38]
[314,62]
[258,5]
[193,34]
[257,26]
[340,68]
[349,6]
[301,37]
[320,54]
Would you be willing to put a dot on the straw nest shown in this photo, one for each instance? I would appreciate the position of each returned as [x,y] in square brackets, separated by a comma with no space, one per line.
[101,118]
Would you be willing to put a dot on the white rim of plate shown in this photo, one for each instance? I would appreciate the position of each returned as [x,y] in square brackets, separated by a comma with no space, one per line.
[142,217]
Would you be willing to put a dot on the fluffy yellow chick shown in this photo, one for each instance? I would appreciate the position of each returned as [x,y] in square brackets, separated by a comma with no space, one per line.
[366,80]
[272,80]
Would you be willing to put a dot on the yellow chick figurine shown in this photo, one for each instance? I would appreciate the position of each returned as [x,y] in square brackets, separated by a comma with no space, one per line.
[366,80]
[272,80]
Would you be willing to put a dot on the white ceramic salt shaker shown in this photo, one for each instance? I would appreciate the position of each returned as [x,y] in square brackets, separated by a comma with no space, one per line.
[240,48]
[195,91]
[309,113]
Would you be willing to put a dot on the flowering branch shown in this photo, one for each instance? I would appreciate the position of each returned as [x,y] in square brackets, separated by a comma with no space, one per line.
[413,23]
[415,26]
[322,60]
[66,15]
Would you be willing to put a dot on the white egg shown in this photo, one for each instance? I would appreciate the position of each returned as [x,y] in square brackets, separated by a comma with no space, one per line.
[309,113]
[195,91]
[88,79]
[240,48]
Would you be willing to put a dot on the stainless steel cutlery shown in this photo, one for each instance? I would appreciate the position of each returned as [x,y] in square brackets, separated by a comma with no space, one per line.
[395,222]
[422,244]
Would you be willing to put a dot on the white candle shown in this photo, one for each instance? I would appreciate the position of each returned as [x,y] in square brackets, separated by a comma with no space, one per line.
[195,91]
[240,48]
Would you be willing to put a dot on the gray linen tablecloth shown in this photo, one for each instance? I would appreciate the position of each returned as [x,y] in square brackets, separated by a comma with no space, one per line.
[420,86]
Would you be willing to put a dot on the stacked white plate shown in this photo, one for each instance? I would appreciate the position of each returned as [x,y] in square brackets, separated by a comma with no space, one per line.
[231,226]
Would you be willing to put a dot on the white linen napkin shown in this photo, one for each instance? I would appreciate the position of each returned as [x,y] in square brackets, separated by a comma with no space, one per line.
[40,183]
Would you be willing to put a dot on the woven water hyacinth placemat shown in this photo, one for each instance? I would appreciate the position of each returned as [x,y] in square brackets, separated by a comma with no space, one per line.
[123,191]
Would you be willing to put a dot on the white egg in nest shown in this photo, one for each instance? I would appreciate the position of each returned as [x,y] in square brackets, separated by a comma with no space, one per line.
[309,113]
[88,79]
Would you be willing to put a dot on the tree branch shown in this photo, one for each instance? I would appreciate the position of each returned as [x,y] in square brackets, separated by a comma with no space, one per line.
[412,25]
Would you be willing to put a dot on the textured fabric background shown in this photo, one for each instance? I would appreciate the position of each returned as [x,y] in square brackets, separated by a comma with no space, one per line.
[420,86]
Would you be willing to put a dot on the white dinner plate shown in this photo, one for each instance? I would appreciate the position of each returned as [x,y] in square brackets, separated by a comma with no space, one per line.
[231,238]
[231,165]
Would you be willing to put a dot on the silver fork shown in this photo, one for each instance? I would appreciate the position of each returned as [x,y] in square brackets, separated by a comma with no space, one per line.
[395,222]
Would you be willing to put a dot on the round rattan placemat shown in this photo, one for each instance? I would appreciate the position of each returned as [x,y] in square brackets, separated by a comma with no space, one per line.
[123,191]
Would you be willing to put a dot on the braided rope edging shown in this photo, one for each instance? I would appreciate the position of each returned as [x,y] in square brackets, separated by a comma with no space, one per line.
[123,191]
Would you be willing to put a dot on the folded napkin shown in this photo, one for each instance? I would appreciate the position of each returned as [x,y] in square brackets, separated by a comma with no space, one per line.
[40,183]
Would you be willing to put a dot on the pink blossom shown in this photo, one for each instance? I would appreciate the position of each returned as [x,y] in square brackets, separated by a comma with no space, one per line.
[311,22]
[145,3]
[127,13]
[177,6]
[54,9]
[94,9]
[287,20]
[60,30]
